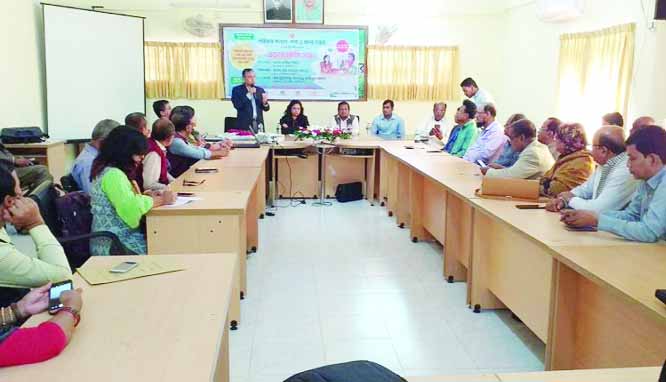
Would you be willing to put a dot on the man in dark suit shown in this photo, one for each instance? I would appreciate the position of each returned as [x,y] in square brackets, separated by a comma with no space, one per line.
[278,10]
[250,102]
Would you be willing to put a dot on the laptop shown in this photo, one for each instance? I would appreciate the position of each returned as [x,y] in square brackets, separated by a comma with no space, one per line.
[248,145]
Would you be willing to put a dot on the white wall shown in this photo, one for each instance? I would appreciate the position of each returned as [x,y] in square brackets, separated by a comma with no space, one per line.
[21,42]
[470,33]
[531,51]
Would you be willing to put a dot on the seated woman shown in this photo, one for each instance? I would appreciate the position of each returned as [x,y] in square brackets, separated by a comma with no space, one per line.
[117,205]
[20,346]
[181,153]
[156,165]
[17,270]
[293,118]
[574,165]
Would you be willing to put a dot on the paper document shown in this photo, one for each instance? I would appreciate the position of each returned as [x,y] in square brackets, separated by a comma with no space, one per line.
[182,200]
[96,274]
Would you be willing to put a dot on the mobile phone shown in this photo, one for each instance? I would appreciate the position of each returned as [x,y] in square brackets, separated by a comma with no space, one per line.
[54,295]
[185,194]
[661,295]
[124,267]
[205,169]
[530,207]
[580,229]
[481,163]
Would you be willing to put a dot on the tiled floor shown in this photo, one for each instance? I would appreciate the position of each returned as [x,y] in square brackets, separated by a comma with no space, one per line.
[344,283]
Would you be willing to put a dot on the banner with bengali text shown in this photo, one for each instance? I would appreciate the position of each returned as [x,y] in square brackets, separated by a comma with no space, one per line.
[298,63]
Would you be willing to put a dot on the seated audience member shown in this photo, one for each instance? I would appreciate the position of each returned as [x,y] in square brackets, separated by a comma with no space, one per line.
[534,159]
[195,137]
[83,162]
[293,118]
[507,157]
[162,108]
[641,122]
[480,97]
[611,185]
[18,270]
[574,164]
[116,202]
[344,120]
[34,178]
[138,121]
[644,219]
[388,125]
[21,346]
[156,165]
[181,153]
[467,133]
[488,145]
[612,119]
[435,125]
[547,133]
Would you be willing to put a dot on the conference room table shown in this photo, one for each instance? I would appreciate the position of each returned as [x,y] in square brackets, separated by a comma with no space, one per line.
[639,374]
[223,219]
[526,261]
[523,260]
[166,327]
[296,167]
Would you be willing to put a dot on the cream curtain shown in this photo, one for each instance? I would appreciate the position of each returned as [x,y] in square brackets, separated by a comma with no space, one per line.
[415,73]
[595,74]
[183,70]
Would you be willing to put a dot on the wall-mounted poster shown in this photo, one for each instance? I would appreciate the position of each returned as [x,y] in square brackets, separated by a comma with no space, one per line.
[309,11]
[277,11]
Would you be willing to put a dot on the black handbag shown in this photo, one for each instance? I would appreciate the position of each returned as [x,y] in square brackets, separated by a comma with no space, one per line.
[349,192]
[22,135]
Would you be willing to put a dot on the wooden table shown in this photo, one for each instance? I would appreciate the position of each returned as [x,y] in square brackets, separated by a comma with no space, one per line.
[299,177]
[50,153]
[603,311]
[225,220]
[429,192]
[645,374]
[512,257]
[169,327]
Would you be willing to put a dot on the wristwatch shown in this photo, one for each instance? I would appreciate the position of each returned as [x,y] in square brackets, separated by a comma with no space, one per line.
[75,313]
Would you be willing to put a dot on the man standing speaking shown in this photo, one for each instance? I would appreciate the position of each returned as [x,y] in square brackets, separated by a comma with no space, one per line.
[250,102]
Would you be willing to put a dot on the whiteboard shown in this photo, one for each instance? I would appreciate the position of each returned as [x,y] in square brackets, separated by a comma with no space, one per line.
[94,69]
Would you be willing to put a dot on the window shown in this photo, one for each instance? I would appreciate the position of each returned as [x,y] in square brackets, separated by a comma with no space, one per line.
[595,74]
[183,70]
[405,73]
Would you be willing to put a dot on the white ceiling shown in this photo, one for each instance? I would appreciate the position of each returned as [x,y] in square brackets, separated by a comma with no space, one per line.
[441,7]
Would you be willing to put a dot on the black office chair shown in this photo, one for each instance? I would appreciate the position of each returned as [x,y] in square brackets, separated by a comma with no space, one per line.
[73,232]
[229,123]
[69,184]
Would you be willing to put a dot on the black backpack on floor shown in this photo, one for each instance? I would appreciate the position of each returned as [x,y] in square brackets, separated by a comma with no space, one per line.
[349,192]
[356,371]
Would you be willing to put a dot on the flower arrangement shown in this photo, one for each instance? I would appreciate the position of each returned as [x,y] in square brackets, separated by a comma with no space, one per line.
[322,134]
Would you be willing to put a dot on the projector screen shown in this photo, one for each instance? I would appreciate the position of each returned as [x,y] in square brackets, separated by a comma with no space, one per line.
[94,69]
[307,63]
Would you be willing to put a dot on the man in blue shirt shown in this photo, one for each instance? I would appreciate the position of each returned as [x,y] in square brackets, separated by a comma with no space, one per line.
[645,218]
[508,157]
[388,125]
[83,162]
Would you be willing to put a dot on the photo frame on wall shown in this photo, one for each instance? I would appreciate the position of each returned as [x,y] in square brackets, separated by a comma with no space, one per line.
[308,11]
[278,11]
